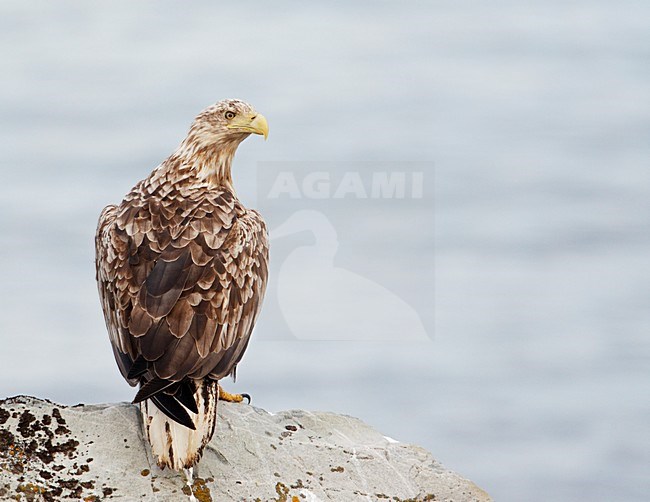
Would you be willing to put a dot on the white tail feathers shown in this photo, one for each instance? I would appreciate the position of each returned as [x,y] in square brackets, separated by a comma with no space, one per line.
[174,445]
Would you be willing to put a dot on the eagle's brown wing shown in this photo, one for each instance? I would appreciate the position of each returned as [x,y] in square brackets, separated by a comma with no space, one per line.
[181,280]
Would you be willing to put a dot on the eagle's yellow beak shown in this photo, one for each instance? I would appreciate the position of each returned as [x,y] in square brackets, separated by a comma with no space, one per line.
[255,124]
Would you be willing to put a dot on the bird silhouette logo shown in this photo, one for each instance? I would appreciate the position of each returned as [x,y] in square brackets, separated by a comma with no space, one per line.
[320,301]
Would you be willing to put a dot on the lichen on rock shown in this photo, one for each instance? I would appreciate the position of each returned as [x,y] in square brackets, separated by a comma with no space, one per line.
[97,452]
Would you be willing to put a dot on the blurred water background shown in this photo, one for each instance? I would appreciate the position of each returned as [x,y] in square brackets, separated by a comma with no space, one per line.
[536,116]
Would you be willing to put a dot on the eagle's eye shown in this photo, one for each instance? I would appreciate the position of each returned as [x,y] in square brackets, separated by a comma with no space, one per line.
[230,115]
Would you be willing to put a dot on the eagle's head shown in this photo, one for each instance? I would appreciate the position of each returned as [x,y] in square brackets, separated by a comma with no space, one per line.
[211,143]
[227,123]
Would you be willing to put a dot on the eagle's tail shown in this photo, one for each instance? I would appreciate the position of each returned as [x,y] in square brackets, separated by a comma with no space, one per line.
[175,445]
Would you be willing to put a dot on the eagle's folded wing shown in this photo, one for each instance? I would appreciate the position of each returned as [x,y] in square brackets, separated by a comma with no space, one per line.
[181,283]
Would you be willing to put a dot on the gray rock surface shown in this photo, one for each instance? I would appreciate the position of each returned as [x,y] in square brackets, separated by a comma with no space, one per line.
[96,452]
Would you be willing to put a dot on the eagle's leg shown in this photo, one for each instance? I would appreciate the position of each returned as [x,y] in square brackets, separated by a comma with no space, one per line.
[232,398]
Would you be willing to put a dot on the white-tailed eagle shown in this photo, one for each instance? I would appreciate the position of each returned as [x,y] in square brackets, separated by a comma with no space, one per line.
[182,267]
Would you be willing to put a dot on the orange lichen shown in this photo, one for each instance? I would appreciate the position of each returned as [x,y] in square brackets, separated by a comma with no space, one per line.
[201,490]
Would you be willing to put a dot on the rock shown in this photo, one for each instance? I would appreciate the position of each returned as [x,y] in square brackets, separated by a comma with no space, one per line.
[96,452]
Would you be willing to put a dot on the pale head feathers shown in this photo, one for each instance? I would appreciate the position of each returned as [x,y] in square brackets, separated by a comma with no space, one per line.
[210,127]
[210,145]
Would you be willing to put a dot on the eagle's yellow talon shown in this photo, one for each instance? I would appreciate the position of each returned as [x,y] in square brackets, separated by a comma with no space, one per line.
[232,398]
